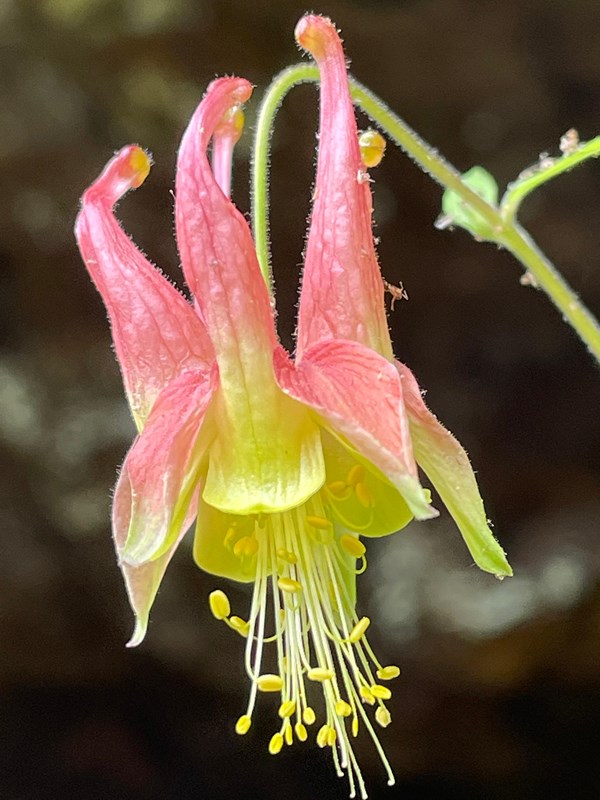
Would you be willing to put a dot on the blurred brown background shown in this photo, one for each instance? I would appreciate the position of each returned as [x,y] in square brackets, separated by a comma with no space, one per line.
[499,696]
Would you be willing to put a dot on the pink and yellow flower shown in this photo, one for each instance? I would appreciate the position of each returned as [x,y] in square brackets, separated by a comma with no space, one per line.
[286,465]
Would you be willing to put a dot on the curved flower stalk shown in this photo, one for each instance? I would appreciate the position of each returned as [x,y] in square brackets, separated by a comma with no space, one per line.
[285,463]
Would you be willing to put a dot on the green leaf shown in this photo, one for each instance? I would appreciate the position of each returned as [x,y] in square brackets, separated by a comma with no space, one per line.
[457,212]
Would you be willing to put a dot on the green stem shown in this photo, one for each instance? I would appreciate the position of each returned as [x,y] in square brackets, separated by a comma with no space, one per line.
[507,233]
[518,191]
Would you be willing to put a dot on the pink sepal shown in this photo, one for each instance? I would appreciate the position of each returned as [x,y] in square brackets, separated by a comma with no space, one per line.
[358,395]
[155,330]
[342,293]
[161,471]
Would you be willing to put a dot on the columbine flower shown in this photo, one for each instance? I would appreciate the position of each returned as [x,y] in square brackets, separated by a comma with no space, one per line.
[286,464]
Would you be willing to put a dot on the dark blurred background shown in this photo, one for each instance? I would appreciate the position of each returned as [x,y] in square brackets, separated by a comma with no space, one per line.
[500,694]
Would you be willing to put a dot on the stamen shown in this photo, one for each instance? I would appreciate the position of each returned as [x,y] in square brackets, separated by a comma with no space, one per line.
[287,555]
[309,716]
[337,488]
[219,604]
[363,495]
[289,585]
[381,692]
[288,733]
[356,475]
[229,537]
[287,709]
[359,630]
[352,545]
[246,547]
[322,736]
[301,732]
[319,674]
[367,695]
[343,709]
[243,724]
[383,716]
[239,625]
[388,673]
[269,683]
[275,744]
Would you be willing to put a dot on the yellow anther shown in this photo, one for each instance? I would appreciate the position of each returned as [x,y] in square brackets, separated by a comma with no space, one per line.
[275,744]
[287,555]
[243,724]
[352,545]
[359,629]
[381,692]
[288,733]
[367,695]
[269,683]
[363,495]
[356,475]
[372,147]
[343,709]
[331,736]
[337,488]
[383,716]
[322,735]
[309,716]
[246,547]
[289,585]
[355,727]
[287,709]
[229,537]
[301,732]
[240,625]
[319,674]
[320,523]
[388,673]
[219,604]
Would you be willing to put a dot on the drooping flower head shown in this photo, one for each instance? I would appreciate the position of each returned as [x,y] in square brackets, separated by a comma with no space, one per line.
[286,465]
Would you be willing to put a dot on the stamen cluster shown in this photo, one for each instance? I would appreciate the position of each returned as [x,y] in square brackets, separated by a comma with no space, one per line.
[301,561]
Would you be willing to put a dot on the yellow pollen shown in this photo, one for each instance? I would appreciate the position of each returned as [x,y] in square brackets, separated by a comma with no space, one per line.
[240,625]
[363,495]
[343,709]
[331,736]
[388,673]
[352,545]
[383,716]
[289,585]
[301,732]
[247,547]
[359,629]
[288,733]
[139,163]
[372,147]
[219,604]
[367,695]
[355,727]
[322,735]
[309,716]
[243,724]
[229,537]
[287,709]
[356,475]
[337,488]
[319,674]
[287,555]
[275,744]
[381,692]
[320,523]
[269,683]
